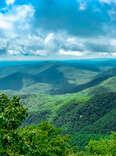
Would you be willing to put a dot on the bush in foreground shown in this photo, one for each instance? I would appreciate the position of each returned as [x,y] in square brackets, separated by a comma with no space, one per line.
[103,146]
[42,140]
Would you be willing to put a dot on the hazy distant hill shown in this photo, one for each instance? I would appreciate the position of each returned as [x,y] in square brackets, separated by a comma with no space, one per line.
[54,77]
[57,77]
[106,82]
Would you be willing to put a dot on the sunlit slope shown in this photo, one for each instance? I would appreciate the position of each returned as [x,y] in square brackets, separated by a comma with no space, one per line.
[89,116]
[74,113]
[108,85]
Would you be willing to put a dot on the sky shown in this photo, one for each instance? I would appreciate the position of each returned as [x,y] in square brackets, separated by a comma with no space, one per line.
[57,29]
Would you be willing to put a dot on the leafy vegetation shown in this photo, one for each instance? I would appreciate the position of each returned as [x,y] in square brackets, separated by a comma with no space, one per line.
[93,117]
[103,146]
[41,140]
[81,140]
[87,110]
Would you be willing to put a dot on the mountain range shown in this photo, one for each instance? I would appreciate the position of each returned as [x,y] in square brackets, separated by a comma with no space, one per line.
[55,77]
[77,96]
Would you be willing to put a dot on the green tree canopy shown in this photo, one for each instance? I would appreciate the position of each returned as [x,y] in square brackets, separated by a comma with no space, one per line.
[41,140]
[12,113]
[103,146]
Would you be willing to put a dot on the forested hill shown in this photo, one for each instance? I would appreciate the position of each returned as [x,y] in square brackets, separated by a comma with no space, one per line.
[43,139]
[79,97]
[76,115]
[55,77]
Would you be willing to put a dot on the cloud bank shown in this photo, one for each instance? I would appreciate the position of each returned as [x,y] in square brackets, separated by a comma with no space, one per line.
[61,29]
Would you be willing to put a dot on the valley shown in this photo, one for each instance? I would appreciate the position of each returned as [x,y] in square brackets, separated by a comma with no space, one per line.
[79,97]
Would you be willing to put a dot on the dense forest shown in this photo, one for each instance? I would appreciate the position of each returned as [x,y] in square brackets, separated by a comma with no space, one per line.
[84,118]
[61,108]
[43,139]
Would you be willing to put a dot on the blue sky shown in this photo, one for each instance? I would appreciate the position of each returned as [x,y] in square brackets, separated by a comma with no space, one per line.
[57,29]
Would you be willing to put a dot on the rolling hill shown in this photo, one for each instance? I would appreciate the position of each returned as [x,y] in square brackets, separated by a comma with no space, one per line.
[57,77]
[89,116]
[77,96]
[73,113]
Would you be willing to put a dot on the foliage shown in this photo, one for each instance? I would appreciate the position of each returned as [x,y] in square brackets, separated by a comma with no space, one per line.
[103,146]
[91,117]
[42,140]
[12,113]
[81,139]
[45,140]
[80,115]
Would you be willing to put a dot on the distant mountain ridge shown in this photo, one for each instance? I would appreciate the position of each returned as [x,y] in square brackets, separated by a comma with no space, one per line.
[50,77]
[59,75]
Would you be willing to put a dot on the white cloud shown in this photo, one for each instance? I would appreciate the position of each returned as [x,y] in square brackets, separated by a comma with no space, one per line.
[13,52]
[107,1]
[25,11]
[82,6]
[73,53]
[61,45]
[113,54]
[8,2]
[49,38]
[17,38]
[17,17]
[5,25]
[75,41]
[41,52]
[15,27]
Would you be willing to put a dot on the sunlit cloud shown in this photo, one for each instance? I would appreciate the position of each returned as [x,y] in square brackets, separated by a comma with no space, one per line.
[37,28]
[73,53]
[107,1]
[49,38]
[8,2]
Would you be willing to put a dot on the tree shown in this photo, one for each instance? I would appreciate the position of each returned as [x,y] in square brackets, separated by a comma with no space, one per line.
[41,140]
[45,140]
[103,146]
[12,113]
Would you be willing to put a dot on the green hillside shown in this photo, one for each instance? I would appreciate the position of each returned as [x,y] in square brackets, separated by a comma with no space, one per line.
[107,85]
[45,139]
[77,116]
[78,98]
